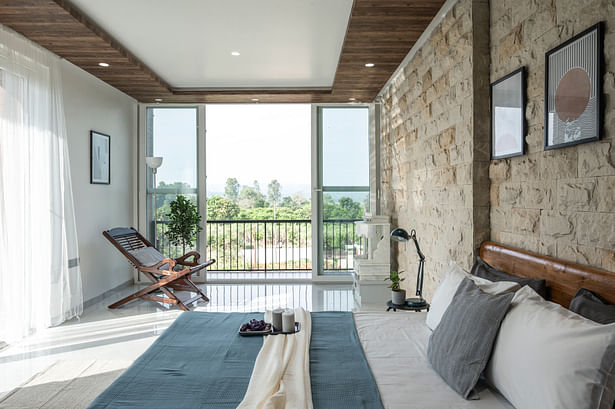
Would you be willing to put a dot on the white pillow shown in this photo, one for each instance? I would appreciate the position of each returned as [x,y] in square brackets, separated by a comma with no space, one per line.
[448,287]
[548,357]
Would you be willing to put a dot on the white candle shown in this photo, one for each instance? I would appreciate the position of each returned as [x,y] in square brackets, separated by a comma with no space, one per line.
[276,319]
[288,321]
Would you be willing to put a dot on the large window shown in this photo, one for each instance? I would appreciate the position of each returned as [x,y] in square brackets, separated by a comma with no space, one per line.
[285,185]
[171,134]
[344,183]
[258,190]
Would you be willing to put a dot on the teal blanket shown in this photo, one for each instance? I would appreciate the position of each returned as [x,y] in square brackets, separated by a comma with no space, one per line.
[201,362]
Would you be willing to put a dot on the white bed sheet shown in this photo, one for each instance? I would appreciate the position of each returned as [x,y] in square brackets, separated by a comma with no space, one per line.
[395,344]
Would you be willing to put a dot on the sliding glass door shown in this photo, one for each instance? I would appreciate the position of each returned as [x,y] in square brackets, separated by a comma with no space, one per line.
[171,133]
[258,191]
[341,187]
[262,222]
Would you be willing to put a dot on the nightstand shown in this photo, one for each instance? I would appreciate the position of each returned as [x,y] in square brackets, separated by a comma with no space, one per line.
[405,307]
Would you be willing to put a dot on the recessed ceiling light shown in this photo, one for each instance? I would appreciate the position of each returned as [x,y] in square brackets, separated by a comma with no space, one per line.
[255,99]
[369,64]
[103,64]
[235,53]
[158,99]
[352,99]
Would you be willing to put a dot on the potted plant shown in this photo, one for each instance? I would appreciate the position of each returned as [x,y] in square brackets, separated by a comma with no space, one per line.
[184,222]
[398,296]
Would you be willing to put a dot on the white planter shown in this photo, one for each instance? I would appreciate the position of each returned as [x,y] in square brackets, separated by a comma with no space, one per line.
[398,297]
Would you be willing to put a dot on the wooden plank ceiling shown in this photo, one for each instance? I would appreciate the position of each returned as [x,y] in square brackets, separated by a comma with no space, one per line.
[379,31]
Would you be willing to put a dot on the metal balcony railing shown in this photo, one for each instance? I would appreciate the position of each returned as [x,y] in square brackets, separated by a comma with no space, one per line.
[272,245]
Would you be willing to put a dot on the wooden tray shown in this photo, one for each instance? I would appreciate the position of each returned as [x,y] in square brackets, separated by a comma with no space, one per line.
[254,333]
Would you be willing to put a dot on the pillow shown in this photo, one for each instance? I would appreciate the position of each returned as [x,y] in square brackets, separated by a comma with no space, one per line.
[460,346]
[448,286]
[548,357]
[484,270]
[147,256]
[590,305]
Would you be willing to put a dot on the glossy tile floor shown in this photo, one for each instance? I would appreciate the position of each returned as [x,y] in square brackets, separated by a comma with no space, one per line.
[125,333]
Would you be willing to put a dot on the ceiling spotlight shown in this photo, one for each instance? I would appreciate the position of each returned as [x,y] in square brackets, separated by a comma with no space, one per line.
[158,99]
[369,64]
[235,53]
[352,99]
[254,99]
[103,64]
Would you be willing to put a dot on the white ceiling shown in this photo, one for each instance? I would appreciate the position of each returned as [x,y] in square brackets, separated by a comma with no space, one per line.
[188,43]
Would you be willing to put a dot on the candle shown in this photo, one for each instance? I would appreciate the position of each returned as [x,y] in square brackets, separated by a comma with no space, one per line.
[276,319]
[288,321]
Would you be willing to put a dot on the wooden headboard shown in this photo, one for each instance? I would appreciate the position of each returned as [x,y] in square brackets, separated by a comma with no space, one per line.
[563,278]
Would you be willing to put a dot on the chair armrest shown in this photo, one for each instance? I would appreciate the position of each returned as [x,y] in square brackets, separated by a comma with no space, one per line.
[199,267]
[182,260]
[156,267]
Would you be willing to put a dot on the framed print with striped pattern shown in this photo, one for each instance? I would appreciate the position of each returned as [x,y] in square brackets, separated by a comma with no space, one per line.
[573,87]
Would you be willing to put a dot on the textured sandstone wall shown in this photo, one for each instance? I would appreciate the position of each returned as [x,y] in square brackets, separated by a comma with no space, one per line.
[559,202]
[434,150]
[436,173]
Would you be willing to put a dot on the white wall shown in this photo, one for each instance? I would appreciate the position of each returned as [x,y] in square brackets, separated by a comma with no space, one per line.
[91,104]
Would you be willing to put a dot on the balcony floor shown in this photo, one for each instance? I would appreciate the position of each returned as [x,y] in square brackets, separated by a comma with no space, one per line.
[124,334]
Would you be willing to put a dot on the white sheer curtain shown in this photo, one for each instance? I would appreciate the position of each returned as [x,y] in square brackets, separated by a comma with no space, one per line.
[40,280]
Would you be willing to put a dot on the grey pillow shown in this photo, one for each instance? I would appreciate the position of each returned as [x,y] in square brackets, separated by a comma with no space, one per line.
[148,256]
[460,346]
[590,305]
[484,270]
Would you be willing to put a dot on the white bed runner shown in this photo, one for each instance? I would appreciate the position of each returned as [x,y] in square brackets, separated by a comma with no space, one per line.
[281,375]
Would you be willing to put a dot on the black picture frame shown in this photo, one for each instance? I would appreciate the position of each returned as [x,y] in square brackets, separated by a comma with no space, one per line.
[100,158]
[579,124]
[508,125]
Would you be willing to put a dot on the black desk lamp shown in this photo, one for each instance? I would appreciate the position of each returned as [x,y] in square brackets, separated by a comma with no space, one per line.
[402,235]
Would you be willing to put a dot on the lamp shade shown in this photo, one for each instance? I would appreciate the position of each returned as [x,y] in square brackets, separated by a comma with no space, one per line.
[153,162]
[400,234]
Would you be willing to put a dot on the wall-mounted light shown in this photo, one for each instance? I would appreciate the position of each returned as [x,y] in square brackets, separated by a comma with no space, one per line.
[103,64]
[235,53]
[370,64]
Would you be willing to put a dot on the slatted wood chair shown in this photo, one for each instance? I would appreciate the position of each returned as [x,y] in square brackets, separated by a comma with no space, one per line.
[168,275]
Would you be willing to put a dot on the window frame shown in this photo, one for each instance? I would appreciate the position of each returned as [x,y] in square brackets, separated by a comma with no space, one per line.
[318,190]
[141,176]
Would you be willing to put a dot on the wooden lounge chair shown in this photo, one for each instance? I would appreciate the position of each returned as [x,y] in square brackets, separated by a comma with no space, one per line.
[168,275]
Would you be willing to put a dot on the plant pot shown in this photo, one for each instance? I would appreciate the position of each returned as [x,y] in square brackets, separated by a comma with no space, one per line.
[398,297]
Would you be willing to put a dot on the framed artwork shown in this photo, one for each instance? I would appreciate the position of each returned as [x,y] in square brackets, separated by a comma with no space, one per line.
[508,125]
[100,158]
[573,86]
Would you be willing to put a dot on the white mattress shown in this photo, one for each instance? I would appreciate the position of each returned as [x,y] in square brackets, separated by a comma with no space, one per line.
[395,344]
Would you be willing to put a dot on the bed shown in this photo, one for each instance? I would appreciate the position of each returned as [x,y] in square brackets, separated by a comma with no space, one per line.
[365,360]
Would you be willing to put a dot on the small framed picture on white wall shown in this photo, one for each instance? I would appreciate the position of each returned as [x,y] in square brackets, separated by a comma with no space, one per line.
[100,158]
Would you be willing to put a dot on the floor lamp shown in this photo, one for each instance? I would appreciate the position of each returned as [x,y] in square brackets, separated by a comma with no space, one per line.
[154,162]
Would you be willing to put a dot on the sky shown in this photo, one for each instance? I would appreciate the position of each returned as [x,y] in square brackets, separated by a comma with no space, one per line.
[261,142]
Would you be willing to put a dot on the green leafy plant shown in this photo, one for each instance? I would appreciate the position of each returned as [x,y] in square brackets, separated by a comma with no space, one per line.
[395,279]
[184,222]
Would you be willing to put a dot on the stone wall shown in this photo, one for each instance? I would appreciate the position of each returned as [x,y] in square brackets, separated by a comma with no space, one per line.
[434,151]
[559,202]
